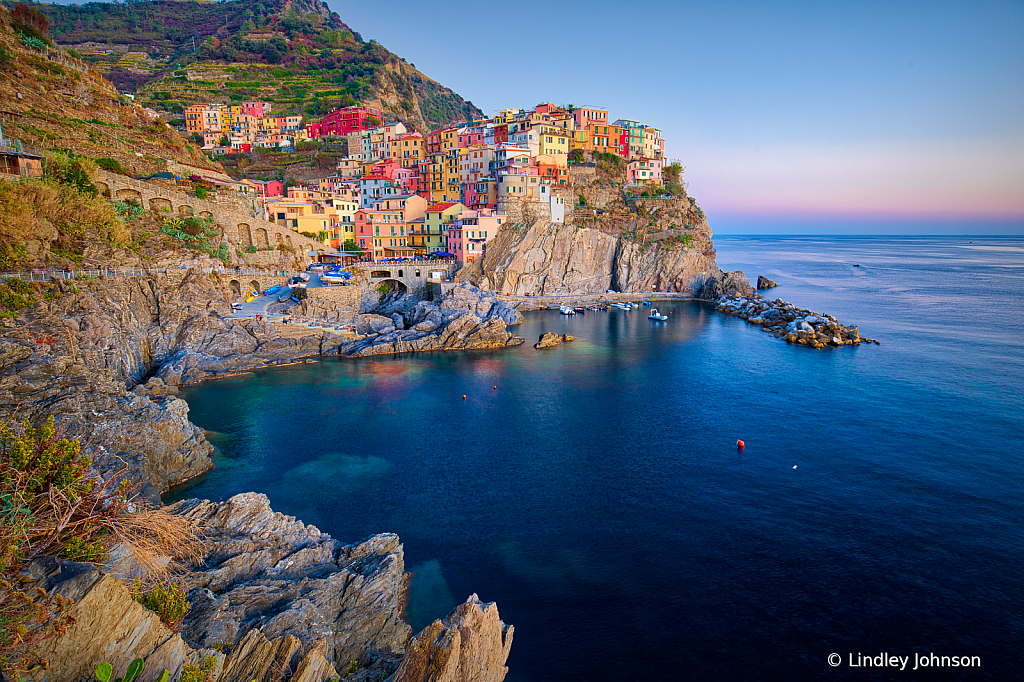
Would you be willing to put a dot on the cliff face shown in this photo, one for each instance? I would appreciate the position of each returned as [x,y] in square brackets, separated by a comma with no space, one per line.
[558,259]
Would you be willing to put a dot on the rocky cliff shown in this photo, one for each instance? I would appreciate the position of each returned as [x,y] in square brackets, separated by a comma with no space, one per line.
[548,258]
[85,351]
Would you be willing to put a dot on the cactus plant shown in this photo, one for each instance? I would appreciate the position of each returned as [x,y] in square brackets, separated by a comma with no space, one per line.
[104,671]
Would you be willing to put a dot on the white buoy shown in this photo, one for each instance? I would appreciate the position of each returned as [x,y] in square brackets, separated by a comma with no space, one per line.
[794,466]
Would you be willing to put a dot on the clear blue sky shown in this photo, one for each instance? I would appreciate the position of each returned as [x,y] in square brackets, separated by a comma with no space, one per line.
[788,116]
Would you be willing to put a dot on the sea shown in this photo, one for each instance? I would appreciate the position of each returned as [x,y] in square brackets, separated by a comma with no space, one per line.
[596,492]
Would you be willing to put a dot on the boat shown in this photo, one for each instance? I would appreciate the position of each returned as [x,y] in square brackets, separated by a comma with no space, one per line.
[634,305]
[655,315]
[566,311]
[273,290]
[622,306]
[857,265]
[647,304]
[580,309]
[250,298]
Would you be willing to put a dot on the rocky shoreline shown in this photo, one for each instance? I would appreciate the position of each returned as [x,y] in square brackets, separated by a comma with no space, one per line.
[795,325]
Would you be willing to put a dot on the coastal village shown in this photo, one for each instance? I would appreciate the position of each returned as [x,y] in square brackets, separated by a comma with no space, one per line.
[401,193]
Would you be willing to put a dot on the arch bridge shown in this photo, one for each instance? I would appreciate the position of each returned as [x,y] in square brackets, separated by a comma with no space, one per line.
[414,275]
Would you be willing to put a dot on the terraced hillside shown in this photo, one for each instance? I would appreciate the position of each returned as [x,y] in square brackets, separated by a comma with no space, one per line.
[296,54]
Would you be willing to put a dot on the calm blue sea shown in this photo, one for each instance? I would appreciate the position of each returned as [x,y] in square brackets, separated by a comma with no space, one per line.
[598,496]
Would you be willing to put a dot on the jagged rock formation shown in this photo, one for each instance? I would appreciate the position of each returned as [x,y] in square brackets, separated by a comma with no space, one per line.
[765,283]
[258,659]
[471,645]
[466,318]
[110,626]
[267,571]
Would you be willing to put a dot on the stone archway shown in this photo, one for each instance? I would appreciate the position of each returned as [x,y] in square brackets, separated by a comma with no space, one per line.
[262,239]
[389,287]
[245,235]
[236,287]
[254,286]
[125,194]
[160,204]
[186,211]
[103,188]
[205,214]
[279,239]
[380,273]
[288,239]
[401,274]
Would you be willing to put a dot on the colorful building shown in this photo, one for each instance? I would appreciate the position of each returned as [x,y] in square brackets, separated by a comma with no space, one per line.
[467,238]
[344,121]
[643,171]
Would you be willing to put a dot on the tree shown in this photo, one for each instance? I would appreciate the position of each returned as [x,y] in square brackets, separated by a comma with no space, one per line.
[30,21]
[673,172]
[372,121]
[350,245]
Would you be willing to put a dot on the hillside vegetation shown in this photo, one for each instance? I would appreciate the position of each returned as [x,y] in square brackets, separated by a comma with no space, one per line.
[296,54]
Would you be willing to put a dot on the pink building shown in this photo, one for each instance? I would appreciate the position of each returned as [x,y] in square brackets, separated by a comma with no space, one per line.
[643,172]
[587,116]
[468,238]
[270,188]
[381,233]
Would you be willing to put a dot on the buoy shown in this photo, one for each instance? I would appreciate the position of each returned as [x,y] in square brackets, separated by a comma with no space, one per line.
[740,444]
[463,397]
[495,388]
[794,466]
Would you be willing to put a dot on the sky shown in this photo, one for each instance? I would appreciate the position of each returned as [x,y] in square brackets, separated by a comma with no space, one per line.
[789,117]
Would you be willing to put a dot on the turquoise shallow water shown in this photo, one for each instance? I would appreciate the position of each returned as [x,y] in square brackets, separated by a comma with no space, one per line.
[597,495]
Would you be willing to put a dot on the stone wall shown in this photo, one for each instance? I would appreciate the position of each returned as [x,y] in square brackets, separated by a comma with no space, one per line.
[336,305]
[241,228]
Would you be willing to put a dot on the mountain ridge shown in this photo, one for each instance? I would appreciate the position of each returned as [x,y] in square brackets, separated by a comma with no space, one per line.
[296,54]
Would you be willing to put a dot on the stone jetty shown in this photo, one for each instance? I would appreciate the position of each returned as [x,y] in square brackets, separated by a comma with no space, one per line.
[795,325]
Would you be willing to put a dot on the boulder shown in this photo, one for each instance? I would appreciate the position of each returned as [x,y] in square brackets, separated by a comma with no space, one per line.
[727,284]
[373,324]
[550,340]
[765,283]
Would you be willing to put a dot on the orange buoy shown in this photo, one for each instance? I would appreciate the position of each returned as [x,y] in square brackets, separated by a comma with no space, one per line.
[463,397]
[740,444]
[495,388]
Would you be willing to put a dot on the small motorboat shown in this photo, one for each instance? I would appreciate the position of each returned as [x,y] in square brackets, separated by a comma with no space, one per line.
[856,265]
[273,290]
[647,304]
[251,297]
[566,310]
[655,315]
[621,306]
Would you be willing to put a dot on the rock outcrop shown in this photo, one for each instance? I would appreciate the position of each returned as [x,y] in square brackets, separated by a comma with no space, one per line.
[726,284]
[470,645]
[109,626]
[466,318]
[267,571]
[550,340]
[765,283]
[553,258]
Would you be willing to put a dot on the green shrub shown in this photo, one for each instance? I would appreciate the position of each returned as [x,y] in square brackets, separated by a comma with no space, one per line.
[15,295]
[110,164]
[199,671]
[201,192]
[166,599]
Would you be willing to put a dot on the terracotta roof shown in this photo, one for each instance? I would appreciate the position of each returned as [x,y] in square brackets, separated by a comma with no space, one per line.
[443,206]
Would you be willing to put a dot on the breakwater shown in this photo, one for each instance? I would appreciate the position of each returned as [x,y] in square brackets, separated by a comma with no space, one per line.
[795,325]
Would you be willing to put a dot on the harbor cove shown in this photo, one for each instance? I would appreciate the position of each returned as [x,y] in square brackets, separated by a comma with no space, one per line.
[595,490]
